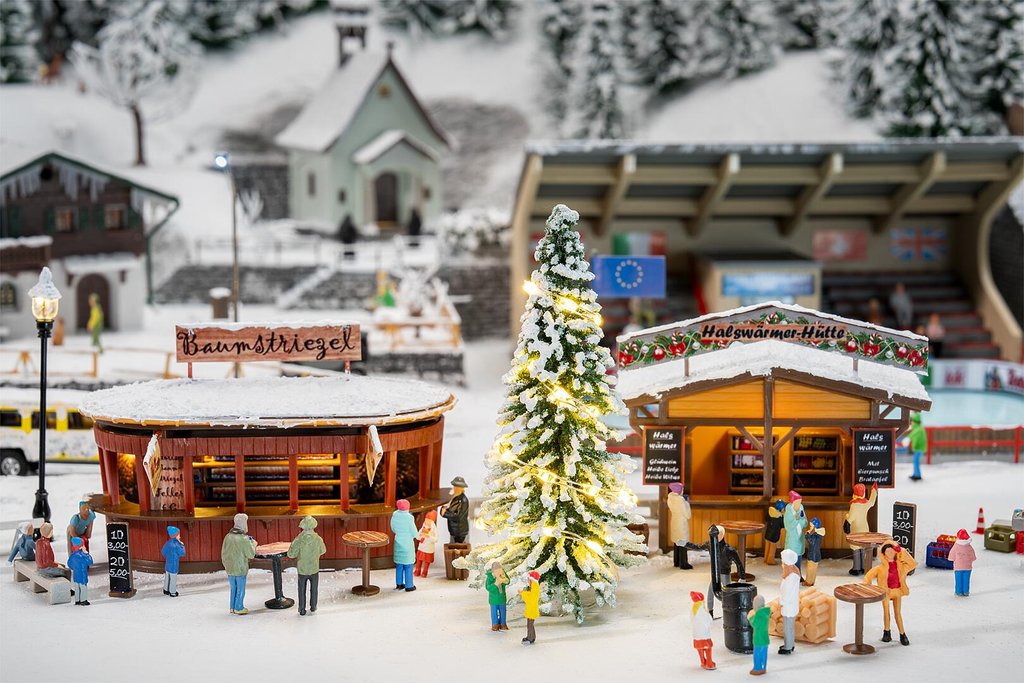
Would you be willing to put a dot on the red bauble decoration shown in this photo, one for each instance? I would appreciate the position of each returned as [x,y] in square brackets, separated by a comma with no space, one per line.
[902,351]
[851,345]
[658,353]
[916,359]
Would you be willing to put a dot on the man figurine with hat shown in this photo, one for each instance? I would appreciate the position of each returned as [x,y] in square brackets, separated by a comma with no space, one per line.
[678,524]
[496,583]
[403,526]
[962,556]
[172,551]
[856,522]
[457,511]
[789,598]
[531,599]
[306,549]
[236,551]
[700,625]
[796,522]
[79,563]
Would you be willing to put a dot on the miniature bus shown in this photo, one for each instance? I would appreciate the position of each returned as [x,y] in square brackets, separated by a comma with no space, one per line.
[69,436]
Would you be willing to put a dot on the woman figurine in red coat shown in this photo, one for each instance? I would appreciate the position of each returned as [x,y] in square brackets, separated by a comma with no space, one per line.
[427,540]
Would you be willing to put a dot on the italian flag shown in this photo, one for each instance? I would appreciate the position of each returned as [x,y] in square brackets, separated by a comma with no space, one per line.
[638,244]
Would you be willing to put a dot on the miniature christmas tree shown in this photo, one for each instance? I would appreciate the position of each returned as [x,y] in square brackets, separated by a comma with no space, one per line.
[557,496]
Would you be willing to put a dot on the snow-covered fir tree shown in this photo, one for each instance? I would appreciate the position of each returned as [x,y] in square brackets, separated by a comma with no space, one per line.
[18,60]
[865,31]
[600,93]
[557,498]
[745,36]
[444,17]
[561,27]
[997,54]
[799,22]
[931,90]
[672,43]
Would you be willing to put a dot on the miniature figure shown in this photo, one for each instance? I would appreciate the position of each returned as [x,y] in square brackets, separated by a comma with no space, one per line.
[700,624]
[79,562]
[95,323]
[404,528]
[496,584]
[814,536]
[457,511]
[856,522]
[962,556]
[23,545]
[45,561]
[427,540]
[727,558]
[236,551]
[172,551]
[307,549]
[758,619]
[891,574]
[81,525]
[678,524]
[918,443]
[789,599]
[773,530]
[795,521]
[531,598]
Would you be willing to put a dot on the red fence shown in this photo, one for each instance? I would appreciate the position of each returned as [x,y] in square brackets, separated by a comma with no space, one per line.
[1010,438]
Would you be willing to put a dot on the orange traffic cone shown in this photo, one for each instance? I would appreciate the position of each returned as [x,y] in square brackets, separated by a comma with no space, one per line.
[981,522]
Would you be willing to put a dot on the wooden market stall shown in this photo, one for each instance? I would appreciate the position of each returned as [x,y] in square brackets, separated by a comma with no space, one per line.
[194,452]
[814,382]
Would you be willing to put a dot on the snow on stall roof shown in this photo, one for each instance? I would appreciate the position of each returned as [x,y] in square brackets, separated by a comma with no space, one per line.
[376,148]
[759,359]
[271,401]
[294,324]
[794,308]
[101,263]
[32,241]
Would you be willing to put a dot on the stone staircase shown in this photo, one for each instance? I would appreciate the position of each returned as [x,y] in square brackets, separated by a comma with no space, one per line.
[259,284]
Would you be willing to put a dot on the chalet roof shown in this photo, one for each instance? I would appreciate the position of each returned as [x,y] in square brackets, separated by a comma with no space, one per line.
[380,145]
[331,111]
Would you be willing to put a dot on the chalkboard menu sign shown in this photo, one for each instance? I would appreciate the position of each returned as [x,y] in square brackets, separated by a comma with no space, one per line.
[904,523]
[874,457]
[663,455]
[120,570]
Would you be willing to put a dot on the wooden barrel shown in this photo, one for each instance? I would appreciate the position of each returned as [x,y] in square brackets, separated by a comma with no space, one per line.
[453,551]
[737,601]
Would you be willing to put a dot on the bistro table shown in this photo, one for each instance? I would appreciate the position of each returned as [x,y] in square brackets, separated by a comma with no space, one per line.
[274,552]
[742,528]
[859,594]
[366,540]
[868,540]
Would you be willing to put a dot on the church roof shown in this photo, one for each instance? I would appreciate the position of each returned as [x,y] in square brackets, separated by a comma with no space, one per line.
[377,147]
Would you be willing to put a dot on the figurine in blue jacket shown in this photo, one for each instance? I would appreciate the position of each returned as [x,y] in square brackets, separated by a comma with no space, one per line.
[79,563]
[172,551]
[403,526]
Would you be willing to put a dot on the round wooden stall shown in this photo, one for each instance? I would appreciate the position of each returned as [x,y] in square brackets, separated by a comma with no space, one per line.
[808,379]
[277,449]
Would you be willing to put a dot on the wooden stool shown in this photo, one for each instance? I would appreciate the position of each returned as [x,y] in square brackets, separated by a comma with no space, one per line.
[366,540]
[859,594]
[742,528]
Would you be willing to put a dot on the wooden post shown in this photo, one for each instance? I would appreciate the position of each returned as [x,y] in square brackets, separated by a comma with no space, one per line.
[425,472]
[189,483]
[769,440]
[293,482]
[142,483]
[240,482]
[390,478]
[435,470]
[343,476]
[103,471]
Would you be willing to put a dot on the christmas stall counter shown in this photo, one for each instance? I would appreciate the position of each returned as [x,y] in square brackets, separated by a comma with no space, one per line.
[834,394]
[194,452]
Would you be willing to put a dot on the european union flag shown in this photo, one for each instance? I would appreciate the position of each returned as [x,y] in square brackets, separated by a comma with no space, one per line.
[620,277]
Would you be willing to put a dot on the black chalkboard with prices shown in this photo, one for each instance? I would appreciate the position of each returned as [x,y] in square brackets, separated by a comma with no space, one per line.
[904,526]
[120,570]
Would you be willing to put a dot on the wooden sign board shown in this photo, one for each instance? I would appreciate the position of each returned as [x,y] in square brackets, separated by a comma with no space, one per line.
[122,584]
[663,455]
[904,526]
[275,341]
[874,457]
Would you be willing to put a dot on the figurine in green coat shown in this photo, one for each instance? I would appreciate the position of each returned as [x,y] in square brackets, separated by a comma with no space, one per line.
[496,583]
[918,443]
[796,522]
[236,551]
[307,549]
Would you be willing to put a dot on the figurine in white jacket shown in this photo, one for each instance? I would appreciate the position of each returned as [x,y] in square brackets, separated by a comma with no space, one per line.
[700,624]
[678,524]
[789,600]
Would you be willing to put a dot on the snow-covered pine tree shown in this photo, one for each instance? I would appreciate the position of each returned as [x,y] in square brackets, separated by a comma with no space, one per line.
[18,59]
[600,93]
[671,44]
[557,498]
[931,92]
[561,25]
[746,36]
[219,23]
[445,17]
[997,54]
[798,23]
[865,31]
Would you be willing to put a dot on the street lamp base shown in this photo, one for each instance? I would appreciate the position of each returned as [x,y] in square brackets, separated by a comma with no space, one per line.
[42,507]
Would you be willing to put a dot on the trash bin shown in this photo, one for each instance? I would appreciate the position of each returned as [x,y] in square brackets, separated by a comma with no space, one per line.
[453,551]
[220,300]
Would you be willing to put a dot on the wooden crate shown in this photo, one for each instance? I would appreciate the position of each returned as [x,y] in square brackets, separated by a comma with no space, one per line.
[816,621]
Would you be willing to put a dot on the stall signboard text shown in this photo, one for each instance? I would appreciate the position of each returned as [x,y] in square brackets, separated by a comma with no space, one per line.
[874,457]
[120,563]
[775,322]
[663,455]
[274,341]
[904,526]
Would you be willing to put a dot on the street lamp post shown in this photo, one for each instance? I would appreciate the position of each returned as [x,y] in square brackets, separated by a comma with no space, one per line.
[45,301]
[223,162]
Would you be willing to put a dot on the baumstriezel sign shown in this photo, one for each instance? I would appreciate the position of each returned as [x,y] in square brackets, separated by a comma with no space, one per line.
[270,341]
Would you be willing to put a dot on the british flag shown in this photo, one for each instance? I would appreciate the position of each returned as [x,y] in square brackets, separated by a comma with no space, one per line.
[918,244]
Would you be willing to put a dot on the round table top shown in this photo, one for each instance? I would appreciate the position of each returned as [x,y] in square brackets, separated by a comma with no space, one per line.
[366,539]
[272,549]
[742,527]
[859,592]
[869,539]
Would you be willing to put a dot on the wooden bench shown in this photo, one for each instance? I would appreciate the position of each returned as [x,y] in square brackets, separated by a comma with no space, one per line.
[59,588]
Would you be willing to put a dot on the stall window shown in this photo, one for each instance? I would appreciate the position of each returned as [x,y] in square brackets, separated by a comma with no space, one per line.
[10,418]
[65,219]
[8,296]
[115,217]
[266,479]
[51,419]
[78,421]
[127,486]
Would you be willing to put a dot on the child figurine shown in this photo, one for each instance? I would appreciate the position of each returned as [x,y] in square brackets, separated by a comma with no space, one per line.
[678,524]
[814,536]
[758,619]
[427,539]
[403,526]
[962,556]
[700,624]
[79,562]
[95,322]
[23,544]
[856,522]
[172,551]
[795,521]
[496,584]
[531,598]
[235,552]
[773,530]
[918,443]
[307,548]
[891,574]
[45,561]
[789,599]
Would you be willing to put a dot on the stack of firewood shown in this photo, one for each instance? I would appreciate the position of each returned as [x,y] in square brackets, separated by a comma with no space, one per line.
[815,622]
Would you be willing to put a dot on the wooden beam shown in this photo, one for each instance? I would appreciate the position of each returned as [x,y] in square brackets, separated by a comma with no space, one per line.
[930,171]
[390,478]
[343,478]
[239,482]
[784,440]
[727,171]
[293,482]
[812,194]
[996,193]
[769,439]
[623,176]
[520,248]
[759,445]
